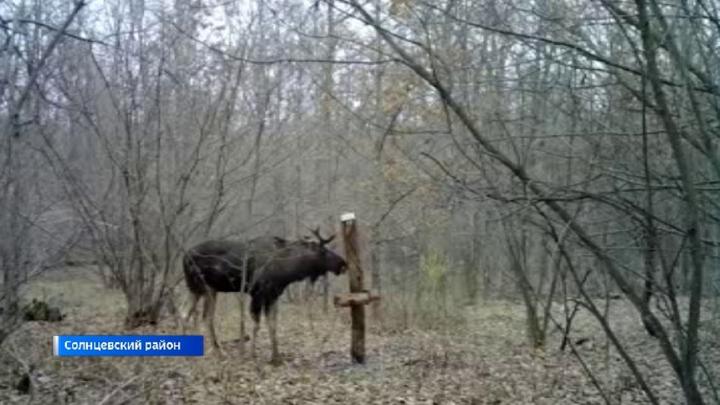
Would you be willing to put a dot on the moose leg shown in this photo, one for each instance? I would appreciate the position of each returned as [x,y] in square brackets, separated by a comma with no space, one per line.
[209,316]
[194,298]
[309,302]
[272,328]
[256,329]
[241,300]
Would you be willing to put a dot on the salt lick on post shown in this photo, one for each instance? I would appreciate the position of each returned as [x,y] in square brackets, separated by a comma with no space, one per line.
[358,297]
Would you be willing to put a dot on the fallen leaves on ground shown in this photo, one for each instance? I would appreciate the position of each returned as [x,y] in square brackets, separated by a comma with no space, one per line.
[483,361]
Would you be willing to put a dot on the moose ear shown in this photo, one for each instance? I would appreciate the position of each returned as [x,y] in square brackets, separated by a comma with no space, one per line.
[328,240]
[280,242]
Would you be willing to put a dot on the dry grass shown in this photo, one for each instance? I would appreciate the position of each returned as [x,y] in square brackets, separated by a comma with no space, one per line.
[481,360]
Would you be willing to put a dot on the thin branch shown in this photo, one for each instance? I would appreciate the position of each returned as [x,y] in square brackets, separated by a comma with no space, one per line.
[392,205]
[56,29]
[17,107]
[277,61]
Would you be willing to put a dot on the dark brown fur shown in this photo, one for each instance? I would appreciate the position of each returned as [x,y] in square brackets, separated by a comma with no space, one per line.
[270,264]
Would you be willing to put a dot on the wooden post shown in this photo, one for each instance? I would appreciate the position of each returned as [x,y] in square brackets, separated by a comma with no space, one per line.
[358,297]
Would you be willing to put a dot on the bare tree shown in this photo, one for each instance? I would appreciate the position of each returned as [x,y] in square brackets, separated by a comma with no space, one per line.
[533,188]
[21,210]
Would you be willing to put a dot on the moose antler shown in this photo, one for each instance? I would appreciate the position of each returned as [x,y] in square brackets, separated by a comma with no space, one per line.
[322,240]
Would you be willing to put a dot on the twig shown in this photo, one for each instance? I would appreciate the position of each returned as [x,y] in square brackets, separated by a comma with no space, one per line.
[117,389]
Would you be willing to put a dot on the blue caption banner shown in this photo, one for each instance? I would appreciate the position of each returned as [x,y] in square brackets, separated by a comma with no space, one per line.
[128,345]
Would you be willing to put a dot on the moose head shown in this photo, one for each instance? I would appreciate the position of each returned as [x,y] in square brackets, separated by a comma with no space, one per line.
[329,259]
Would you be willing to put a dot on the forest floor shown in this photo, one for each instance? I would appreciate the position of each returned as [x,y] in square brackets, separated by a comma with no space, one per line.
[481,359]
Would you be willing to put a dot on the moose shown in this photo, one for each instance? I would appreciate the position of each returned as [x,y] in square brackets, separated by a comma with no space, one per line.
[262,267]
